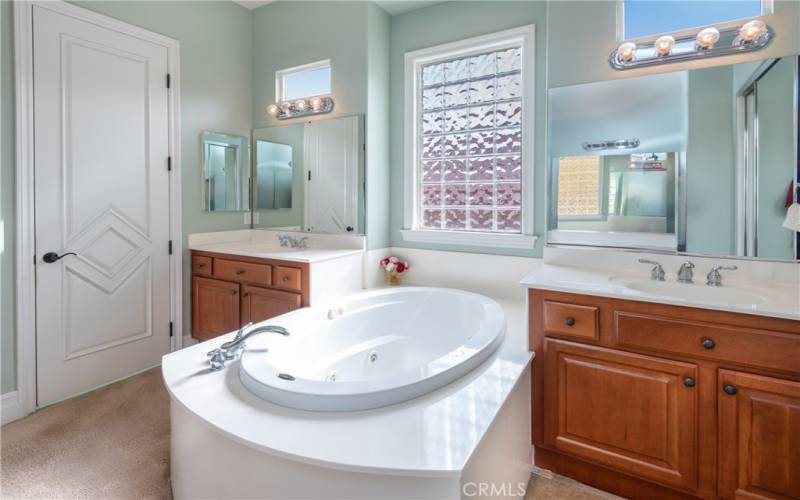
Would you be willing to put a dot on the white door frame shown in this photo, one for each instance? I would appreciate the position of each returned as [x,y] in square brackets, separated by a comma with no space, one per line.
[25,230]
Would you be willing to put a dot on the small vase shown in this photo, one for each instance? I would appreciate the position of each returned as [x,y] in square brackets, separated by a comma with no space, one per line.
[392,279]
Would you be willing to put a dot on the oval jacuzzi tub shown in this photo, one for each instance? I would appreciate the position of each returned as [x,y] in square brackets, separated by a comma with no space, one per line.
[373,349]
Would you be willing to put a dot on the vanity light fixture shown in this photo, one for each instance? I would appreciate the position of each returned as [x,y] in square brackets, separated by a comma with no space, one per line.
[708,42]
[664,45]
[301,107]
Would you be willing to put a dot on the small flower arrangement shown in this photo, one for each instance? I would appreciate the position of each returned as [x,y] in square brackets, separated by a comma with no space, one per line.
[393,270]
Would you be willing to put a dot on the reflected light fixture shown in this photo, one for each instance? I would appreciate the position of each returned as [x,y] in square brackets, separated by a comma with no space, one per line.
[707,37]
[664,44]
[301,107]
[752,30]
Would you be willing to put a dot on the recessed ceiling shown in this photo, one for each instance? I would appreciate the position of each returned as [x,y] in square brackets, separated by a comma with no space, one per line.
[394,7]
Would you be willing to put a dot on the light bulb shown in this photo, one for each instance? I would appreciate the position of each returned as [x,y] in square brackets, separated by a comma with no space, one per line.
[708,37]
[664,45]
[626,50]
[272,109]
[300,105]
[316,103]
[752,30]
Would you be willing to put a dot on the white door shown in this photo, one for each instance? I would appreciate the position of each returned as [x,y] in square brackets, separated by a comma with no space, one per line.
[102,192]
[332,159]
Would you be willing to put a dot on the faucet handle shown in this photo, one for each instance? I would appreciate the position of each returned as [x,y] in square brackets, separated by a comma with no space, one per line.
[714,278]
[657,273]
[217,359]
[685,273]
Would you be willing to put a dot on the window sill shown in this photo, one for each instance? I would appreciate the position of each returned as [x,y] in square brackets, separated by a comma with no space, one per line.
[476,239]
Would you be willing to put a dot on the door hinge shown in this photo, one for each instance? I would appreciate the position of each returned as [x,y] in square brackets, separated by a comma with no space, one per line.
[169,81]
[169,164]
[170,247]
[309,175]
[170,328]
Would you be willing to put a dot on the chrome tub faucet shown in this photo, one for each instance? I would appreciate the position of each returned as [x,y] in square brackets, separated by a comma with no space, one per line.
[233,349]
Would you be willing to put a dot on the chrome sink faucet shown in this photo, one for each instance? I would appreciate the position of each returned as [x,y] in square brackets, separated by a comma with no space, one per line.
[714,278]
[686,273]
[657,273]
[234,348]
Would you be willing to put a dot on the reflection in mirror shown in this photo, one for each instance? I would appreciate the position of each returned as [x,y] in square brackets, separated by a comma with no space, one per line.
[274,175]
[226,172]
[702,161]
[310,176]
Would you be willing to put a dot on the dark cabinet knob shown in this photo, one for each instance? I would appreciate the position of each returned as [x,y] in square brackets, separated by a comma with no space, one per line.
[729,389]
[234,292]
[689,382]
[245,295]
[200,266]
[708,344]
[240,272]
[569,321]
[285,279]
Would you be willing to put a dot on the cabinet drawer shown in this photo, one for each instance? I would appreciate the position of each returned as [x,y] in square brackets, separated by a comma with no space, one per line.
[243,271]
[748,346]
[571,320]
[201,265]
[288,278]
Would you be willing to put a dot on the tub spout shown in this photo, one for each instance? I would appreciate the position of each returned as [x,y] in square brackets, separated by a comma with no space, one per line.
[232,349]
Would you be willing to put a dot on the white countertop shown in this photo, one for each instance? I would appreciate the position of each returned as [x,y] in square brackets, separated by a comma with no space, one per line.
[779,300]
[270,251]
[434,435]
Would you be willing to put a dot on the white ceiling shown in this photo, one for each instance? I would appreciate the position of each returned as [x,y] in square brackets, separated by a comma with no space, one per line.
[393,7]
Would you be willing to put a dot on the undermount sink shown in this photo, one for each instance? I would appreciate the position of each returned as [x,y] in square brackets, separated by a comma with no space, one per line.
[692,291]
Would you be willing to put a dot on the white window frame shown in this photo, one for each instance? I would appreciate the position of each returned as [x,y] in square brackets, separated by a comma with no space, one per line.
[280,74]
[767,8]
[523,37]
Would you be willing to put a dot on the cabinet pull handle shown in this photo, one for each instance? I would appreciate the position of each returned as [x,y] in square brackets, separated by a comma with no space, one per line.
[689,382]
[730,389]
[285,279]
[569,321]
[708,344]
[240,272]
[245,295]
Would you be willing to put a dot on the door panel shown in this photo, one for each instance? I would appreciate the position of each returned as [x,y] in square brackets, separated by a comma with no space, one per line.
[215,307]
[628,411]
[102,191]
[259,304]
[759,432]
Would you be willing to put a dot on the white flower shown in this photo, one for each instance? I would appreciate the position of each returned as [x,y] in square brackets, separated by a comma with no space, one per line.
[390,267]
[394,259]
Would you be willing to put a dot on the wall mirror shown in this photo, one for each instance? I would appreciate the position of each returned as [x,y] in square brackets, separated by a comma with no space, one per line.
[698,162]
[226,172]
[309,176]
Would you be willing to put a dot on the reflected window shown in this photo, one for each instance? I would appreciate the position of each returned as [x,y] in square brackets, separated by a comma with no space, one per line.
[644,18]
[304,81]
[579,185]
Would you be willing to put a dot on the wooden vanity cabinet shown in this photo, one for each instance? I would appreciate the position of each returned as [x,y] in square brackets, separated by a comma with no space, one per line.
[229,291]
[657,401]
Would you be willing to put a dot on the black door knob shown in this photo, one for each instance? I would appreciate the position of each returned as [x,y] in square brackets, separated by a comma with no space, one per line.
[730,389]
[349,229]
[708,343]
[569,321]
[688,382]
[51,257]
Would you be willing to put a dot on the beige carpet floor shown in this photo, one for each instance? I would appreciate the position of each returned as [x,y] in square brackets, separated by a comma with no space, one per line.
[114,443]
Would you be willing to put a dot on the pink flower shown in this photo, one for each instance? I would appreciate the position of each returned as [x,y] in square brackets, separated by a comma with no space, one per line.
[400,267]
[384,262]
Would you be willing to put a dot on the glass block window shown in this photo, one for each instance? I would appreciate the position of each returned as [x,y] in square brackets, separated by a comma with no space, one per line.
[579,185]
[470,131]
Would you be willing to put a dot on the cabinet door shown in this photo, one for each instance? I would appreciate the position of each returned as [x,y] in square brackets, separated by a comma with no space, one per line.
[259,304]
[759,436]
[636,414]
[215,307]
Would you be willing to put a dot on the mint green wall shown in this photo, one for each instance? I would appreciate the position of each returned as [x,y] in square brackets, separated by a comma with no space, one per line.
[216,49]
[448,22]
[8,368]
[711,163]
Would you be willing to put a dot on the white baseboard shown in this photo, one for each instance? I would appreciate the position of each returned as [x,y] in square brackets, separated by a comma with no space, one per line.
[11,409]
